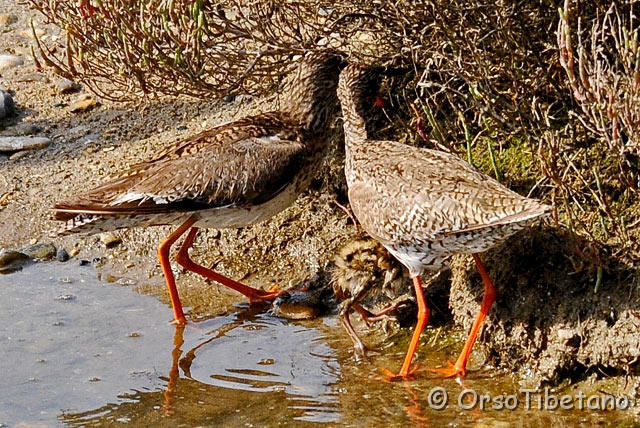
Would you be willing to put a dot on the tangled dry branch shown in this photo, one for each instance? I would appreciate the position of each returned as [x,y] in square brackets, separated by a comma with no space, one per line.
[552,106]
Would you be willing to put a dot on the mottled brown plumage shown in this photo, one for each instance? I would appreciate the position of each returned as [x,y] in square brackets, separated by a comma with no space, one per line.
[423,205]
[232,175]
[365,273]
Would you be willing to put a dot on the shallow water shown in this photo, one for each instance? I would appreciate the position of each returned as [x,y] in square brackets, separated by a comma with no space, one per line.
[75,351]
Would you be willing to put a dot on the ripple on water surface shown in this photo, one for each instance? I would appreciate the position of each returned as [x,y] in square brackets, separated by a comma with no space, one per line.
[78,351]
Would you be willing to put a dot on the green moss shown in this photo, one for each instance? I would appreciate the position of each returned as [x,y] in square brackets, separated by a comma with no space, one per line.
[515,160]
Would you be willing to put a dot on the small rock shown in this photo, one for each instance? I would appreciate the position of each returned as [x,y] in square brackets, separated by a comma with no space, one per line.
[32,77]
[66,86]
[126,282]
[62,255]
[74,252]
[7,106]
[23,129]
[243,98]
[85,262]
[110,239]
[67,296]
[7,18]
[40,251]
[297,305]
[12,261]
[18,155]
[10,61]
[15,144]
[84,103]
[566,334]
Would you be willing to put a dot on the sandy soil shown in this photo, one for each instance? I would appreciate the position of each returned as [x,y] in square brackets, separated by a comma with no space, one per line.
[547,326]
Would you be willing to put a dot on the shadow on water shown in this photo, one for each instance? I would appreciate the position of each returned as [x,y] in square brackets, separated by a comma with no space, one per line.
[75,351]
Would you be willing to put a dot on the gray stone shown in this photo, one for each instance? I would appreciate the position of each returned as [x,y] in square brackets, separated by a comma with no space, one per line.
[15,144]
[62,255]
[40,251]
[66,86]
[10,61]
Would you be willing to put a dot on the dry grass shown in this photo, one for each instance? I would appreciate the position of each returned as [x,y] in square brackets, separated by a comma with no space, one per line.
[546,99]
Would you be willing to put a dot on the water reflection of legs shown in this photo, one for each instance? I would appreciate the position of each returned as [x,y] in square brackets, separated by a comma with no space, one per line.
[174,373]
[185,362]
[414,409]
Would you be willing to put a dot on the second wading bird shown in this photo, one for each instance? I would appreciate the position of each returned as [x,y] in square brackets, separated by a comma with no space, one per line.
[229,176]
[423,205]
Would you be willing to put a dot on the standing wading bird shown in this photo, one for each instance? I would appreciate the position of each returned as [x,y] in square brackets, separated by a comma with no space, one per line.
[423,205]
[232,175]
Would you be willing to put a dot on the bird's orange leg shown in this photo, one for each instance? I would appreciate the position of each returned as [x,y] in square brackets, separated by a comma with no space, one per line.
[459,369]
[423,316]
[164,249]
[185,261]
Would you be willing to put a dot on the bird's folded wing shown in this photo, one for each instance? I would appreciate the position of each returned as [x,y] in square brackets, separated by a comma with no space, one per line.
[249,171]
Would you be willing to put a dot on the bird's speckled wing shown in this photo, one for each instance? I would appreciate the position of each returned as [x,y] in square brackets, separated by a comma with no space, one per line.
[230,165]
[427,194]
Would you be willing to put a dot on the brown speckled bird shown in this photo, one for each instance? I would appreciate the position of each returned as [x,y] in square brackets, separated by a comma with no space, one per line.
[232,175]
[423,205]
[365,272]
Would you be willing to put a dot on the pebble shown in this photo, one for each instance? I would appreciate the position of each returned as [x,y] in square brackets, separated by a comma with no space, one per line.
[7,18]
[66,86]
[18,155]
[10,61]
[12,261]
[32,77]
[126,281]
[23,129]
[15,144]
[40,251]
[110,239]
[567,335]
[296,305]
[62,255]
[7,106]
[83,103]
